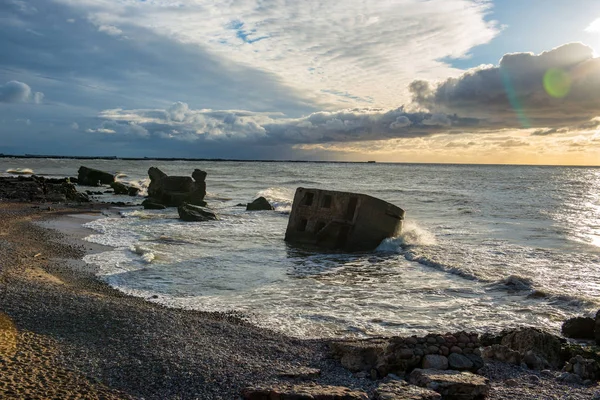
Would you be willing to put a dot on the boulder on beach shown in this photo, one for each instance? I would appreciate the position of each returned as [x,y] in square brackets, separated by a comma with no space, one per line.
[597,328]
[192,213]
[402,390]
[542,344]
[173,191]
[94,177]
[260,204]
[579,328]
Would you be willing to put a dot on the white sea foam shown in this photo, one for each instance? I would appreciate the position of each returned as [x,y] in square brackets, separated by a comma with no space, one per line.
[281,198]
[20,171]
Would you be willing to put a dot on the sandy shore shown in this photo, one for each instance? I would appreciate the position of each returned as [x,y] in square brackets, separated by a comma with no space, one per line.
[66,335]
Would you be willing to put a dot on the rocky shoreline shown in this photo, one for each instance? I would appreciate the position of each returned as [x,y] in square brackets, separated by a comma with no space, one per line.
[65,334]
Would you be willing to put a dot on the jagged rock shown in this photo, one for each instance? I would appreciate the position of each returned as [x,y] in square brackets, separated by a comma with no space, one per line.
[173,191]
[401,390]
[543,344]
[459,362]
[359,355]
[150,205]
[435,361]
[597,328]
[301,373]
[189,212]
[502,353]
[303,392]
[260,204]
[37,188]
[133,191]
[579,328]
[452,385]
[94,177]
[585,368]
[119,188]
[534,361]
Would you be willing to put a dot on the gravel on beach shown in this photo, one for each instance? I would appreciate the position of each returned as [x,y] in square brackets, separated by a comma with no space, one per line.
[65,334]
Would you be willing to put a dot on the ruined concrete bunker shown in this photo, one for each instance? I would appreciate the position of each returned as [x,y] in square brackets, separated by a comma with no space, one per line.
[341,220]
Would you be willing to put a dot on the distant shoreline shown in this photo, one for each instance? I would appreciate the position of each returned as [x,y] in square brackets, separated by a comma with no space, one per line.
[35,156]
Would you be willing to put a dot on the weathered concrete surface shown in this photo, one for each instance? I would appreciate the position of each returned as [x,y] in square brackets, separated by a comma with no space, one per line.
[452,385]
[401,390]
[341,220]
[173,191]
[303,392]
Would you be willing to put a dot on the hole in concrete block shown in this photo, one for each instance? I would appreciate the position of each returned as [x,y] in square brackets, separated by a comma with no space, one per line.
[326,201]
[302,225]
[308,199]
[351,208]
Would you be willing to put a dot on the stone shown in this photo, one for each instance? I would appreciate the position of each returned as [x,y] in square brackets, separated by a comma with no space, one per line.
[133,191]
[579,328]
[534,361]
[402,390]
[545,345]
[341,220]
[584,368]
[119,188]
[94,177]
[260,204]
[358,355]
[456,349]
[302,392]
[452,385]
[597,328]
[191,213]
[173,191]
[150,205]
[476,360]
[301,373]
[434,361]
[502,353]
[459,362]
[569,378]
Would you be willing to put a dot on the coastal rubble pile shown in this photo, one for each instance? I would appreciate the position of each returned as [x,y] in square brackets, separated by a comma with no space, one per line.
[39,189]
[398,355]
[396,389]
[173,191]
[308,391]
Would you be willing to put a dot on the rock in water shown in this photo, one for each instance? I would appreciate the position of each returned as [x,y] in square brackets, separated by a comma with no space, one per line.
[173,191]
[260,204]
[149,205]
[119,188]
[303,392]
[192,213]
[401,390]
[94,177]
[579,328]
[452,385]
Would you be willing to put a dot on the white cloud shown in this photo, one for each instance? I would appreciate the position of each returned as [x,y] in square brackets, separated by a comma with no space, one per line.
[594,26]
[367,50]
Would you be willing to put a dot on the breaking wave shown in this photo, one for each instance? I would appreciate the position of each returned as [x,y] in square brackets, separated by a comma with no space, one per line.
[281,198]
[20,171]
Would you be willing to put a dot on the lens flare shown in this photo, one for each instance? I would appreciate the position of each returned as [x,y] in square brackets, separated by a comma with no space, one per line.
[557,83]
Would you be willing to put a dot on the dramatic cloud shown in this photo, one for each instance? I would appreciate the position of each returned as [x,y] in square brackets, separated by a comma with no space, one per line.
[557,88]
[18,92]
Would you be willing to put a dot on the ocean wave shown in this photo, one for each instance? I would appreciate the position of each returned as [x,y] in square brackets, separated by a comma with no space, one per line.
[146,254]
[20,171]
[280,198]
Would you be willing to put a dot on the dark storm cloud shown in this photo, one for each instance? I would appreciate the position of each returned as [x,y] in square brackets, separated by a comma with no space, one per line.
[557,88]
[18,92]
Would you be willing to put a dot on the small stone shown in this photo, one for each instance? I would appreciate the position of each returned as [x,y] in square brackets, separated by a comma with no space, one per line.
[511,383]
[433,349]
[459,362]
[445,351]
[433,361]
[456,349]
[533,378]
[547,373]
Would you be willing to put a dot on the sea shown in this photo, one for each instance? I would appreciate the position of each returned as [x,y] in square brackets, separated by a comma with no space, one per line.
[483,247]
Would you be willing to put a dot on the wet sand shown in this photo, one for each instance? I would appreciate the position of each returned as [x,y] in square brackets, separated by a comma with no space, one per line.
[64,334]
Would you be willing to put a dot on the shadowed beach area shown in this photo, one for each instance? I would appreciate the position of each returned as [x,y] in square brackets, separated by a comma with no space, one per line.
[67,335]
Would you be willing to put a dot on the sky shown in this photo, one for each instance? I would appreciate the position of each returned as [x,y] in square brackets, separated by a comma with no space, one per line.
[441,81]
